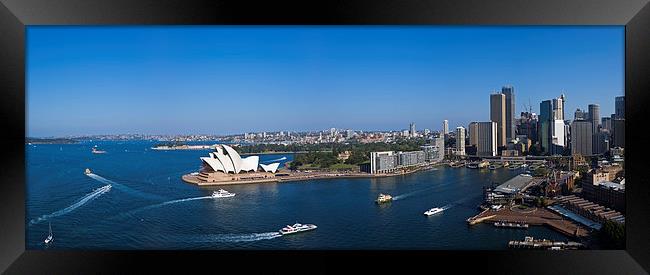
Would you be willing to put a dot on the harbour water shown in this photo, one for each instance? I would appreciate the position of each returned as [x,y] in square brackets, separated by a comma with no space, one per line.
[135,199]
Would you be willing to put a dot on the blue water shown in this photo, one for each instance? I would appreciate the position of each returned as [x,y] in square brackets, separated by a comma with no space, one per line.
[135,199]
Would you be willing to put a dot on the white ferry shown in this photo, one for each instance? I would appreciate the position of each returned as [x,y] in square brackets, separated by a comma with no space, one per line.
[433,211]
[222,194]
[384,198]
[290,229]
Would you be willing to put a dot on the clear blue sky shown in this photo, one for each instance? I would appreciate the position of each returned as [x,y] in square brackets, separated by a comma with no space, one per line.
[224,80]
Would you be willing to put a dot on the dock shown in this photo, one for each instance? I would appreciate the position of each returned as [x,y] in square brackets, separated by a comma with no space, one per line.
[531,243]
[533,216]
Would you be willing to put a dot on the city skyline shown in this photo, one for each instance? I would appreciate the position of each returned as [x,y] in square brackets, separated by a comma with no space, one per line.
[351,74]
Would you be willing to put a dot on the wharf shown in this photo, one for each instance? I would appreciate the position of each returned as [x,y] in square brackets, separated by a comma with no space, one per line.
[534,216]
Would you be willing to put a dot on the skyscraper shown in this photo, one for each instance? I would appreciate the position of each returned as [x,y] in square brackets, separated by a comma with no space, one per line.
[498,115]
[558,107]
[552,134]
[545,117]
[487,139]
[445,127]
[509,91]
[579,115]
[473,133]
[618,137]
[581,137]
[412,131]
[619,107]
[594,117]
[460,141]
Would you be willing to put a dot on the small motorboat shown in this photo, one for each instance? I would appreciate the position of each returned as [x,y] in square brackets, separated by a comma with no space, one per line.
[88,172]
[50,237]
[433,211]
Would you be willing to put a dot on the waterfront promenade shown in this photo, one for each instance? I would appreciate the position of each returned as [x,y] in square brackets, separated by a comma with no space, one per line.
[290,176]
[531,216]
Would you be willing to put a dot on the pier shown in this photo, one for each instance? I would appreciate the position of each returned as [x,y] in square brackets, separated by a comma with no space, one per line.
[533,216]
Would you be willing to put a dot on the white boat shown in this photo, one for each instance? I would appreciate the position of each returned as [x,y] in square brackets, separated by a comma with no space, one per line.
[222,194]
[50,237]
[433,211]
[291,229]
[95,151]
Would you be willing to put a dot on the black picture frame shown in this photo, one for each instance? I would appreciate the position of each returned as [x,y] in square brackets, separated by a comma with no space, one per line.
[16,14]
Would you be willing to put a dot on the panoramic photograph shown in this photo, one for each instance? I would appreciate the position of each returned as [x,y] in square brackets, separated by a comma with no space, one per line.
[317,138]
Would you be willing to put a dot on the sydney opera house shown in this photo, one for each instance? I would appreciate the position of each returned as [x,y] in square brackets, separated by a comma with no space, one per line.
[227,166]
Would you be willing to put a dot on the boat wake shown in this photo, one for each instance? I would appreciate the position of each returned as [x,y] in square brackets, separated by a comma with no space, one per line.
[272,160]
[135,211]
[85,199]
[124,188]
[458,202]
[234,238]
[410,194]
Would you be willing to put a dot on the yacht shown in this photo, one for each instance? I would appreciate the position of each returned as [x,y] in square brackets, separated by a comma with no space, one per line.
[433,211]
[290,229]
[384,198]
[50,237]
[87,172]
[95,151]
[222,194]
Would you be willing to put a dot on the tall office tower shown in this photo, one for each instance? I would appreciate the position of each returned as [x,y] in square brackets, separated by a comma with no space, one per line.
[473,133]
[412,129]
[487,139]
[558,107]
[579,115]
[509,91]
[445,127]
[607,124]
[618,125]
[498,115]
[594,117]
[460,141]
[558,137]
[619,108]
[581,137]
[545,117]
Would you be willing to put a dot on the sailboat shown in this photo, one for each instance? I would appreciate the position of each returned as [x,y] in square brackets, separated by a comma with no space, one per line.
[50,237]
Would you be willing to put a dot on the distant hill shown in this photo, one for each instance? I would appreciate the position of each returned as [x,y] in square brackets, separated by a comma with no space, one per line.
[50,141]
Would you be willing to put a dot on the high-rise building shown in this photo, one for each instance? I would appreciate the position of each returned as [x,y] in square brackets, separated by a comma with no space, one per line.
[545,118]
[383,162]
[618,138]
[607,124]
[619,107]
[498,115]
[460,141]
[487,139]
[558,107]
[473,133]
[581,137]
[580,115]
[445,127]
[594,117]
[552,134]
[509,92]
[412,131]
